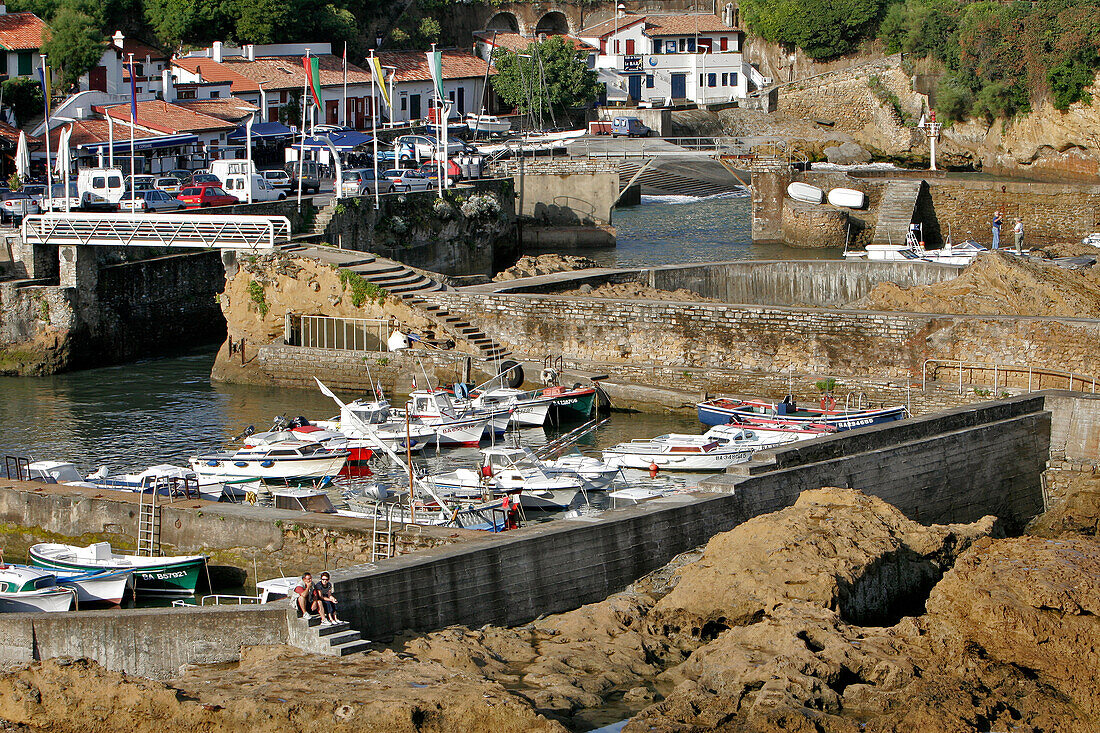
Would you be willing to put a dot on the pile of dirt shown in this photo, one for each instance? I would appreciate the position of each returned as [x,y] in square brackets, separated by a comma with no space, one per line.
[637,291]
[548,264]
[834,615]
[997,284]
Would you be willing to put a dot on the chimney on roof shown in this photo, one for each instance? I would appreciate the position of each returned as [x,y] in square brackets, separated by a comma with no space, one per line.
[216,51]
[3,9]
[250,52]
[168,88]
[117,39]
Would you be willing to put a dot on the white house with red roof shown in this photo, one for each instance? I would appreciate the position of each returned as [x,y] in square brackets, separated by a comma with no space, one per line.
[693,57]
[21,36]
[413,92]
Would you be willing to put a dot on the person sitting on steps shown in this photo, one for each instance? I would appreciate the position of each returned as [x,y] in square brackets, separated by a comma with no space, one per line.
[326,602]
[306,596]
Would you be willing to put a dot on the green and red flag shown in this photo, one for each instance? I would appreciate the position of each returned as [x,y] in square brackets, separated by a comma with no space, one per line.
[313,76]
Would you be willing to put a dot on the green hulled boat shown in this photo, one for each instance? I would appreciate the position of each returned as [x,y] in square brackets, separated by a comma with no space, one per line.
[156,576]
[570,403]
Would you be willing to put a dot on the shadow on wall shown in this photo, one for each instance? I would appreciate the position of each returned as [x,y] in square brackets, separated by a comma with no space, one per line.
[925,214]
[567,211]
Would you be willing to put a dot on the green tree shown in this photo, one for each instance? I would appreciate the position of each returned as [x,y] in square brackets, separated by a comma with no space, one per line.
[24,96]
[76,44]
[823,29]
[549,73]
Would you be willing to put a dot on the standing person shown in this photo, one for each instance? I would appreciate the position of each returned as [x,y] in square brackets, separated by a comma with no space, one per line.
[305,596]
[997,219]
[1018,231]
[326,601]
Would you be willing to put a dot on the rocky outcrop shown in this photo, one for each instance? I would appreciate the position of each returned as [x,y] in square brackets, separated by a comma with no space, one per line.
[547,264]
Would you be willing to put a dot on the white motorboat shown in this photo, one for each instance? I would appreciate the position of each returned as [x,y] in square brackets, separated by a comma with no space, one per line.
[164,479]
[849,198]
[25,588]
[360,450]
[97,586]
[507,471]
[374,420]
[527,407]
[454,424]
[275,589]
[487,124]
[962,253]
[769,430]
[805,193]
[752,439]
[290,460]
[677,452]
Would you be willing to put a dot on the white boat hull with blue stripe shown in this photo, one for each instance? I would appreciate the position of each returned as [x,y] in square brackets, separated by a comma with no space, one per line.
[727,410]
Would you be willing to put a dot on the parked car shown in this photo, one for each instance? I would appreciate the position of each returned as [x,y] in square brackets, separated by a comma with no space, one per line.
[311,175]
[199,178]
[149,201]
[325,129]
[181,175]
[361,182]
[629,126]
[277,178]
[423,147]
[14,205]
[140,183]
[168,184]
[407,180]
[206,194]
[100,188]
[430,171]
[237,184]
[57,201]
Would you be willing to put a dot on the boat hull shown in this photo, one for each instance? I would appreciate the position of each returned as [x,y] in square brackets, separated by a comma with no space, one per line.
[712,414]
[575,404]
[229,468]
[50,600]
[165,579]
[106,587]
[712,461]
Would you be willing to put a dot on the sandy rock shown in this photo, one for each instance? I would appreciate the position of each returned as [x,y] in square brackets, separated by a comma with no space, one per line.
[835,548]
[637,291]
[548,264]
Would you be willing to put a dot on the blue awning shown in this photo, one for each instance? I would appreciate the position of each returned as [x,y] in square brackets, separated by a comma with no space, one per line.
[342,141]
[122,147]
[262,131]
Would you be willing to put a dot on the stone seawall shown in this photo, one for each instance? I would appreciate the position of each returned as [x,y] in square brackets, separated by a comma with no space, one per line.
[936,469]
[772,338]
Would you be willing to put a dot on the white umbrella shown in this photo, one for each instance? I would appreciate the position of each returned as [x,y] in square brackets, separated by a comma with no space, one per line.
[22,157]
[62,167]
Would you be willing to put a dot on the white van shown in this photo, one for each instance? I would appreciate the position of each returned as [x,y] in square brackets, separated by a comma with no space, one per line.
[262,190]
[100,188]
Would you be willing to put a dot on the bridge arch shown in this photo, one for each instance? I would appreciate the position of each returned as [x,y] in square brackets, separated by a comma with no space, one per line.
[503,22]
[553,23]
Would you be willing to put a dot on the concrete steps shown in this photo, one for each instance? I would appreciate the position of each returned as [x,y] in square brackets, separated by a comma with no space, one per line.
[896,212]
[338,640]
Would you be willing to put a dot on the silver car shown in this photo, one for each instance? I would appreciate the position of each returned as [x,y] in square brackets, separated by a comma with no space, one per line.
[361,182]
[277,178]
[407,180]
[150,201]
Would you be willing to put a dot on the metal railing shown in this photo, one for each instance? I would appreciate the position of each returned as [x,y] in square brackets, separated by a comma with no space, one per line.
[1035,375]
[213,231]
[343,334]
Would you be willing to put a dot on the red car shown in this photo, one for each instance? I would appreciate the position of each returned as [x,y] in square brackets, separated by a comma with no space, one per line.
[206,194]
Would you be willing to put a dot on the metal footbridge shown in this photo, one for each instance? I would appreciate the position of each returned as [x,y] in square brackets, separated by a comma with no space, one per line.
[196,231]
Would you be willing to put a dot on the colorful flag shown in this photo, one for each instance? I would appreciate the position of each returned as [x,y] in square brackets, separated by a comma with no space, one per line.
[313,77]
[44,78]
[133,93]
[435,67]
[380,79]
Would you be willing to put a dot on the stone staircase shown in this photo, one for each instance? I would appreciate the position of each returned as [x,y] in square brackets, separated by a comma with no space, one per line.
[663,180]
[896,211]
[324,218]
[408,285]
[338,640]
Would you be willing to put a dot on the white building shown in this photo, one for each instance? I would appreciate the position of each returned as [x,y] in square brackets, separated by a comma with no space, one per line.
[271,76]
[112,74]
[21,36]
[693,57]
[463,83]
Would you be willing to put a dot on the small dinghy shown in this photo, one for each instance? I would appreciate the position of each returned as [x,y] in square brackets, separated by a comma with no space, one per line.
[848,198]
[805,193]
[25,588]
[487,124]
[677,452]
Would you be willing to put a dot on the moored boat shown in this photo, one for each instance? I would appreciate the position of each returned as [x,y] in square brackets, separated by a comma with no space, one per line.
[487,124]
[24,588]
[164,576]
[289,460]
[805,193]
[722,410]
[678,452]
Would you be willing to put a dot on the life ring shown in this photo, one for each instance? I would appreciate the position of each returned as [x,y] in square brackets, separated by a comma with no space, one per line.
[250,497]
[549,376]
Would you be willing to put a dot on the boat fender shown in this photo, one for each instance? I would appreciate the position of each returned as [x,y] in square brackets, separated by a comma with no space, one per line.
[462,390]
[486,471]
[240,464]
[548,376]
[250,497]
[653,469]
[513,373]
[213,463]
[267,464]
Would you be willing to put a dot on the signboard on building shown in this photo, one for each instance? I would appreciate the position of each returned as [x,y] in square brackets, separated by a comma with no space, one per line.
[632,63]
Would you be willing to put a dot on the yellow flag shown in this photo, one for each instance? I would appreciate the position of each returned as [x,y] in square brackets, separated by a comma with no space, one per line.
[380,80]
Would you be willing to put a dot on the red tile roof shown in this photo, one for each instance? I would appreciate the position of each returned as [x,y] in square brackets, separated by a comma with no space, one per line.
[230,109]
[609,27]
[22,31]
[210,70]
[140,51]
[288,72]
[169,118]
[95,131]
[684,25]
[11,134]
[413,65]
[516,43]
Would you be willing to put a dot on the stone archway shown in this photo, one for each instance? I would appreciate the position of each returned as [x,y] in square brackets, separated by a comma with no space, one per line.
[503,22]
[554,23]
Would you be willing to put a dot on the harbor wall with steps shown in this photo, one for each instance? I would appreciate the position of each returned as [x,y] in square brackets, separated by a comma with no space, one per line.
[952,467]
[564,192]
[771,338]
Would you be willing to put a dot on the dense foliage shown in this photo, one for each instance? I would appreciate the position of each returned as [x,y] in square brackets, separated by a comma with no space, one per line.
[998,58]
[549,75]
[24,96]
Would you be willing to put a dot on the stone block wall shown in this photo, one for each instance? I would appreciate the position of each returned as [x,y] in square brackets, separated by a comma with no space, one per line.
[814,227]
[564,192]
[296,366]
[772,338]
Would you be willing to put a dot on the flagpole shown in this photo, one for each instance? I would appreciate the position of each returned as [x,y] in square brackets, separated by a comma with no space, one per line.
[49,166]
[133,118]
[344,104]
[302,148]
[110,141]
[248,157]
[65,174]
[441,143]
[373,124]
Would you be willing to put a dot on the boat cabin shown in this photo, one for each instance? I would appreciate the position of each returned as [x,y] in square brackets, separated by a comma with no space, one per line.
[304,500]
[365,413]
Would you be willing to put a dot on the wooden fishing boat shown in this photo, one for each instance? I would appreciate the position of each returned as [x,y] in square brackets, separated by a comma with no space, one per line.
[723,410]
[162,576]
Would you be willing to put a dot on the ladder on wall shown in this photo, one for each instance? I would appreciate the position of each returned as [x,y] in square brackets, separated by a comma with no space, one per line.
[382,546]
[149,523]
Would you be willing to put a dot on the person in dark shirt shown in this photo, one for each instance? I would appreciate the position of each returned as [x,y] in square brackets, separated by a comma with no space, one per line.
[326,602]
[305,596]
